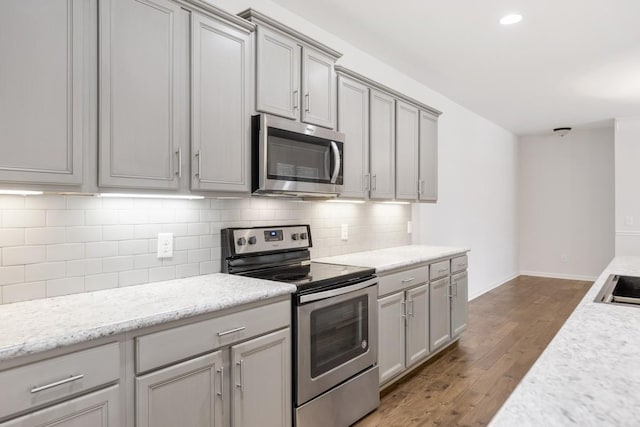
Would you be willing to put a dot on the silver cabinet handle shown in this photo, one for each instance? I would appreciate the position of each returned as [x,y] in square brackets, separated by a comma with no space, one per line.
[231,331]
[57,383]
[420,186]
[443,270]
[407,280]
[456,285]
[221,392]
[241,384]
[295,99]
[367,182]
[179,154]
[199,172]
[410,303]
[375,182]
[307,102]
[404,312]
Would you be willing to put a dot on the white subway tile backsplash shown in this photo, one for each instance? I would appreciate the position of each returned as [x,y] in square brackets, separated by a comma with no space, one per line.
[84,267]
[9,275]
[198,228]
[209,241]
[84,234]
[17,255]
[12,202]
[101,217]
[84,202]
[101,249]
[187,215]
[45,271]
[187,270]
[159,274]
[209,267]
[134,277]
[117,232]
[178,230]
[12,237]
[23,218]
[133,216]
[117,263]
[65,251]
[70,285]
[23,292]
[133,247]
[184,243]
[97,282]
[147,261]
[61,218]
[179,257]
[45,202]
[44,235]
[199,255]
[146,231]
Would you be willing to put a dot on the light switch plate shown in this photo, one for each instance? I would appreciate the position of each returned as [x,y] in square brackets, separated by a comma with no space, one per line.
[344,232]
[165,245]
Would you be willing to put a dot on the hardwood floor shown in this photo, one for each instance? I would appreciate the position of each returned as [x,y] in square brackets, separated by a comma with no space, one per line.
[509,327]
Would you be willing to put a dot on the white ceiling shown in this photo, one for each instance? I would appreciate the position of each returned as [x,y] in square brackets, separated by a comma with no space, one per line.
[568,63]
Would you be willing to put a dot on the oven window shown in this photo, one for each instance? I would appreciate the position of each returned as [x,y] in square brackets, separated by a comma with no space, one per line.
[339,333]
[298,157]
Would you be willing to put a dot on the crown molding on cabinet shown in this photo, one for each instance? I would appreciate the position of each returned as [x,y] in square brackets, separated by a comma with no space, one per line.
[256,17]
[209,8]
[372,83]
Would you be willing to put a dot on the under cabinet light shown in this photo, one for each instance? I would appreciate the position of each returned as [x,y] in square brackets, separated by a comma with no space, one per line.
[345,201]
[151,196]
[21,192]
[395,203]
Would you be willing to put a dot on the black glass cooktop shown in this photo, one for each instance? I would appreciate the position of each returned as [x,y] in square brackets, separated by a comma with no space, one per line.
[314,275]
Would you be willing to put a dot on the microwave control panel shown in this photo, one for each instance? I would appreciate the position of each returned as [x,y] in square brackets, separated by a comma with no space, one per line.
[266,239]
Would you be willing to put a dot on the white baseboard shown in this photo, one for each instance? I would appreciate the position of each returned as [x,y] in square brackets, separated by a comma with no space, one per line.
[493,286]
[559,276]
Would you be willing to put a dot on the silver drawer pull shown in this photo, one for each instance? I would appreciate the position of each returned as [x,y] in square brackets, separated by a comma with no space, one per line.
[57,383]
[444,270]
[410,279]
[231,331]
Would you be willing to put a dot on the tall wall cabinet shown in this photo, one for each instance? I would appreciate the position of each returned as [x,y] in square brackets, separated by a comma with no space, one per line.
[391,147]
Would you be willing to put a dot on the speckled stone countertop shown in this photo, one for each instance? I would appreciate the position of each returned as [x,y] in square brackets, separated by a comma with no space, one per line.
[39,325]
[384,260]
[589,375]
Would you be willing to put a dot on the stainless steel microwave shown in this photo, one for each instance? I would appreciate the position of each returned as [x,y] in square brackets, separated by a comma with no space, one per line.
[295,159]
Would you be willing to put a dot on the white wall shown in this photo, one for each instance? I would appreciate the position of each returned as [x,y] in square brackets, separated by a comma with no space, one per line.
[567,204]
[627,178]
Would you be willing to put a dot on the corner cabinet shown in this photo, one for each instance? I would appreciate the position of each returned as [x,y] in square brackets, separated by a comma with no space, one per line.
[220,99]
[295,76]
[46,82]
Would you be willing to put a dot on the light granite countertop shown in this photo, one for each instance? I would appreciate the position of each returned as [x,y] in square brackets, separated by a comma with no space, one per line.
[589,375]
[384,260]
[39,325]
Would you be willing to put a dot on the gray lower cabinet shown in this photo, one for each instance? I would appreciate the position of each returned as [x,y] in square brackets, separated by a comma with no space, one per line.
[277,73]
[261,381]
[459,303]
[440,313]
[220,99]
[98,409]
[417,308]
[186,394]
[318,88]
[407,142]
[45,87]
[143,88]
[391,336]
[382,145]
[353,120]
[428,185]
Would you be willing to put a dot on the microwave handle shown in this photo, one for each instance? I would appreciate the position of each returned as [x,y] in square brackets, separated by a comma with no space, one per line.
[336,160]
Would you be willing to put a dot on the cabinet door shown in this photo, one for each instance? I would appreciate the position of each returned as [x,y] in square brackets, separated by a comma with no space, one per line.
[439,313]
[99,409]
[261,381]
[143,63]
[459,302]
[391,336]
[417,301]
[319,88]
[220,117]
[407,140]
[428,157]
[278,74]
[382,148]
[353,121]
[187,394]
[44,88]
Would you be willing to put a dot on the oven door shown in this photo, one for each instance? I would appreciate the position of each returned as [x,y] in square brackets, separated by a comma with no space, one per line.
[298,158]
[337,337]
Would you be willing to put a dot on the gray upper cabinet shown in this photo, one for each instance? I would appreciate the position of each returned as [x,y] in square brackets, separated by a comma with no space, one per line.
[407,140]
[143,90]
[277,74]
[439,313]
[459,303]
[220,99]
[353,121]
[45,87]
[319,86]
[382,148]
[428,186]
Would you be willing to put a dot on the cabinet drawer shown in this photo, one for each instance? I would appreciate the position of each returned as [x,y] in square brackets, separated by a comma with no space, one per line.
[439,269]
[459,264]
[42,382]
[172,345]
[405,279]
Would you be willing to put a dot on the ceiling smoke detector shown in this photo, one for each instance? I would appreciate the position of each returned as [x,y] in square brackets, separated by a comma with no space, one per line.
[561,131]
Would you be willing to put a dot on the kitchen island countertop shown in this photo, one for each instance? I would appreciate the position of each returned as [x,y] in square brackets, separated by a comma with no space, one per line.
[589,374]
[36,326]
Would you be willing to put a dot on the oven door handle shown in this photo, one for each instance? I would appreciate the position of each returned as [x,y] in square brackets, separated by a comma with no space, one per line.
[336,160]
[337,292]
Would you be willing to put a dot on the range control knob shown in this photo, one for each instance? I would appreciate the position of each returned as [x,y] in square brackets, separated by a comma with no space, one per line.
[252,240]
[242,241]
[303,236]
[294,236]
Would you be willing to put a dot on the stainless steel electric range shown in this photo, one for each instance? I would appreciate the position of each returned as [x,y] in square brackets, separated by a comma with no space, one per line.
[334,317]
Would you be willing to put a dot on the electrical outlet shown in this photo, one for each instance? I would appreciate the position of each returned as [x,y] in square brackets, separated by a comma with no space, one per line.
[165,245]
[344,232]
[409,227]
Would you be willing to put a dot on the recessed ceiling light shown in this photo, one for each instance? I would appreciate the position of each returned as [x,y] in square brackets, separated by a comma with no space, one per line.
[511,19]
